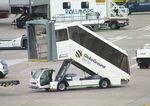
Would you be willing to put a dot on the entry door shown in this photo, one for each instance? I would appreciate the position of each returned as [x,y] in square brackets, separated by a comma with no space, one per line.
[45,78]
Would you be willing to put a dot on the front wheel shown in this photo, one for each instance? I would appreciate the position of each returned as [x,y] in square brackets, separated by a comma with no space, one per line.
[2,75]
[61,86]
[113,25]
[104,83]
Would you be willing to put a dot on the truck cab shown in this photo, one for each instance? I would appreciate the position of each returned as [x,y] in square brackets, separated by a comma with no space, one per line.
[41,78]
[143,56]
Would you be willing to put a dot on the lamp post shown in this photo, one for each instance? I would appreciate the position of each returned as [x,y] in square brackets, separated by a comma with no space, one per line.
[30,7]
[48,11]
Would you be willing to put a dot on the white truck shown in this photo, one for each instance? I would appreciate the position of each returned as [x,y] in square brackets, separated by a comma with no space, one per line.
[103,63]
[143,56]
[91,13]
[19,43]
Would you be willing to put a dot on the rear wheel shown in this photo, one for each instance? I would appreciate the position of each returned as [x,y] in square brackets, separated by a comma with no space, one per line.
[2,75]
[25,44]
[114,25]
[104,83]
[141,66]
[61,86]
[95,28]
[144,65]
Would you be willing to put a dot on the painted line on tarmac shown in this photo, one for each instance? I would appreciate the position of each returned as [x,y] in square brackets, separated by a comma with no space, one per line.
[144,28]
[119,38]
[16,61]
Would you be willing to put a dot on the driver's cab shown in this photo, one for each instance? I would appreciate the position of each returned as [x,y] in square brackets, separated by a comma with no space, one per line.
[41,78]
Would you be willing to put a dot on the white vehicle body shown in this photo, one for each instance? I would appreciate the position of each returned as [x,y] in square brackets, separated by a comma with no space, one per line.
[90,12]
[72,81]
[143,56]
[3,69]
[81,47]
[20,42]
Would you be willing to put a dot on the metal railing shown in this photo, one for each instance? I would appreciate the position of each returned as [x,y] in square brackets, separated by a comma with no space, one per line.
[76,17]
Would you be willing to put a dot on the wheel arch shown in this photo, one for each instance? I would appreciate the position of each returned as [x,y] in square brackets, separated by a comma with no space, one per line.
[24,42]
[106,79]
[65,82]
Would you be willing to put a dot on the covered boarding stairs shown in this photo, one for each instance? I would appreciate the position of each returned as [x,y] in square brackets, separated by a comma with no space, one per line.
[87,50]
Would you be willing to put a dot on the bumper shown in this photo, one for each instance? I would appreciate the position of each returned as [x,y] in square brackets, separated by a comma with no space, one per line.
[4,71]
[33,86]
[124,81]
[123,23]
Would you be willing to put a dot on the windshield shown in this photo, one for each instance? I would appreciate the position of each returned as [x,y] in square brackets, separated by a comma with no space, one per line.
[36,74]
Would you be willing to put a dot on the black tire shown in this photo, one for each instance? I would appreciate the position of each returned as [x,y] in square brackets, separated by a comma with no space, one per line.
[25,44]
[20,25]
[104,83]
[61,86]
[146,65]
[94,28]
[141,66]
[114,25]
[2,75]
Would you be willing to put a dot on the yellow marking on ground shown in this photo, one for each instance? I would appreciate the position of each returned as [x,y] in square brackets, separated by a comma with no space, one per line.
[147,105]
[38,60]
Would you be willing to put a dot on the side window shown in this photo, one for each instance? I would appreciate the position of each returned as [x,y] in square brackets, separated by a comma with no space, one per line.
[45,78]
[66,5]
[107,52]
[61,35]
[84,4]
[74,34]
[124,64]
[116,58]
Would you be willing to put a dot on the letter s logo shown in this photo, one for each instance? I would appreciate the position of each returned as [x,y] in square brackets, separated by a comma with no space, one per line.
[78,53]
